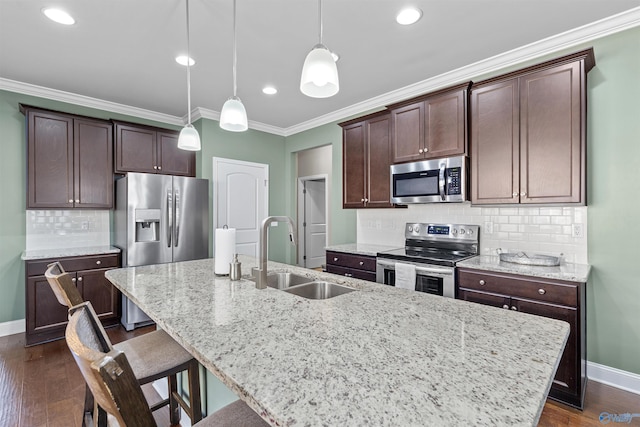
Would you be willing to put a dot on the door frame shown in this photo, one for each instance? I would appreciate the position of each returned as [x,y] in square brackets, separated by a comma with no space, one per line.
[300,213]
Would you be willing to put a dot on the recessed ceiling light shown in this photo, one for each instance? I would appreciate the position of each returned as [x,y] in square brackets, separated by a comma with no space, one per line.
[182,60]
[59,16]
[269,90]
[408,16]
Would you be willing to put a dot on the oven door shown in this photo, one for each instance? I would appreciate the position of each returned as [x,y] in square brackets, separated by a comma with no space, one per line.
[431,279]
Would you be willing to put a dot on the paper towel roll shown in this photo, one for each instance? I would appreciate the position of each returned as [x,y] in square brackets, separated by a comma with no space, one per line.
[225,248]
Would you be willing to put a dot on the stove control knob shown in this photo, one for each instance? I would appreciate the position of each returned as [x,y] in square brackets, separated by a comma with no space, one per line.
[469,231]
[462,231]
[416,229]
[454,231]
[410,228]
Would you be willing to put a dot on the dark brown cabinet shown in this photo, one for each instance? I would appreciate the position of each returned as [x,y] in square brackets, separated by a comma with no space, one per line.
[366,162]
[352,265]
[46,319]
[151,150]
[69,161]
[543,297]
[528,134]
[432,126]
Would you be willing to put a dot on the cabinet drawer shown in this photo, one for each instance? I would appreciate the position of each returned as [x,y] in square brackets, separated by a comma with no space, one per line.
[349,272]
[360,262]
[556,292]
[37,268]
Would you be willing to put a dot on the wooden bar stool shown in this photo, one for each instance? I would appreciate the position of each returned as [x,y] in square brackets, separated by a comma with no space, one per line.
[113,383]
[151,356]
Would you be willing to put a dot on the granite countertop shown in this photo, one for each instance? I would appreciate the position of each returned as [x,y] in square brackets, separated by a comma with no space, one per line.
[66,252]
[360,248]
[565,271]
[379,356]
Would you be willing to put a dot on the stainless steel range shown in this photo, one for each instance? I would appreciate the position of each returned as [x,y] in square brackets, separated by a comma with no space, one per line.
[433,250]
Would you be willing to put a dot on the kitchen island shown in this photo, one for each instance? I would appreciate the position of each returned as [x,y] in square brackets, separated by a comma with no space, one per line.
[379,356]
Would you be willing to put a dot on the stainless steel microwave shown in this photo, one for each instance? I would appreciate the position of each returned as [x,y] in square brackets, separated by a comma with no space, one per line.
[430,181]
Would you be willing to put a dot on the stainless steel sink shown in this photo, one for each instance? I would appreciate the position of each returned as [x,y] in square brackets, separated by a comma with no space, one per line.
[319,290]
[285,280]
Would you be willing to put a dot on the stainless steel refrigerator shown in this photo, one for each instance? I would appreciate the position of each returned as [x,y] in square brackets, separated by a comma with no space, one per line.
[159,219]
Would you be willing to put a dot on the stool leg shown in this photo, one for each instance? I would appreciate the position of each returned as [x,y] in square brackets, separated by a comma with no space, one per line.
[174,407]
[88,406]
[194,391]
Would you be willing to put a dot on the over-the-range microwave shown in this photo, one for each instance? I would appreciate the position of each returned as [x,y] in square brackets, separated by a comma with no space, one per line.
[430,181]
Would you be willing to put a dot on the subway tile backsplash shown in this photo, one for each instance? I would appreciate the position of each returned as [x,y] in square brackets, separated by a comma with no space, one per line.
[546,230]
[62,229]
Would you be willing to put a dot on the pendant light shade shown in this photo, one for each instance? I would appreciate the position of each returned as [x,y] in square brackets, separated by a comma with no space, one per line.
[233,116]
[189,139]
[319,73]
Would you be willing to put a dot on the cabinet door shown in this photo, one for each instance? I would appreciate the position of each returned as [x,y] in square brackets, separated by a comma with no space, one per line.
[445,125]
[353,165]
[174,161]
[495,145]
[485,298]
[103,295]
[46,318]
[135,149]
[551,140]
[407,133]
[378,162]
[50,157]
[93,164]
[568,374]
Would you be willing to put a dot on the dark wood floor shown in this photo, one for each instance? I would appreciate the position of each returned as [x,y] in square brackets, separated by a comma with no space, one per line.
[42,386]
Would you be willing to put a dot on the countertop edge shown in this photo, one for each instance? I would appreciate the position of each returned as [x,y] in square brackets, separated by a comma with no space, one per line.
[68,252]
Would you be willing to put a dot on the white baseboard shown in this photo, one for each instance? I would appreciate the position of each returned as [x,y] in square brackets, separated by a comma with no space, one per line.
[13,327]
[617,378]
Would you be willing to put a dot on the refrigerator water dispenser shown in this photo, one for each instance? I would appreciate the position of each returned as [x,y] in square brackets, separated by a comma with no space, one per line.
[147,225]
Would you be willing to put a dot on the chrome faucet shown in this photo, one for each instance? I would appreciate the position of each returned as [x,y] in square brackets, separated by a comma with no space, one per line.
[261,276]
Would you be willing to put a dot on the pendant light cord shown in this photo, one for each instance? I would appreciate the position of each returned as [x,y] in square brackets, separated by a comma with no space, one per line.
[188,70]
[235,59]
[319,20]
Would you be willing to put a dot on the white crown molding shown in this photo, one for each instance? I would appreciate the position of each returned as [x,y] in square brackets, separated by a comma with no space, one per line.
[13,327]
[595,30]
[617,378]
[586,33]
[86,101]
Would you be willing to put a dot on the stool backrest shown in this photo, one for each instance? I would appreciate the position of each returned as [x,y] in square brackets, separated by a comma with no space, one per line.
[106,371]
[62,285]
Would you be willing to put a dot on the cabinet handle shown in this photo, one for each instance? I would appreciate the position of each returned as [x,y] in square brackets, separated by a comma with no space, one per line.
[155,167]
[335,259]
[98,262]
[421,151]
[70,200]
[73,280]
[362,200]
[361,262]
[514,308]
[366,200]
[542,291]
[506,307]
[523,194]
[79,279]
[426,149]
[159,168]
[348,274]
[482,282]
[77,200]
[515,194]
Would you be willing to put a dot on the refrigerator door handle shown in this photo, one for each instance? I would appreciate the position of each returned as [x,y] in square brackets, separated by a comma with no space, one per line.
[169,217]
[176,225]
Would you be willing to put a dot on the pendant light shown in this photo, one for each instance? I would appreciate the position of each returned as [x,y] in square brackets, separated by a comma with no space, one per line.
[319,72]
[189,138]
[233,116]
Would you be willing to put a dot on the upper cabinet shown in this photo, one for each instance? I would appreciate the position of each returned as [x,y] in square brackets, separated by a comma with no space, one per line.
[366,162]
[528,134]
[432,126]
[69,161]
[151,150]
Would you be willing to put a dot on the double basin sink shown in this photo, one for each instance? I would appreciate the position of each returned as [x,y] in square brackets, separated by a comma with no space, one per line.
[306,287]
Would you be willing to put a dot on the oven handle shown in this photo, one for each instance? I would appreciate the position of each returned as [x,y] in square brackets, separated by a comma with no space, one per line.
[432,270]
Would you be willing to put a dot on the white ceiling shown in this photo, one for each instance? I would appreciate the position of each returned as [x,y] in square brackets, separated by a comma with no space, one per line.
[123,51]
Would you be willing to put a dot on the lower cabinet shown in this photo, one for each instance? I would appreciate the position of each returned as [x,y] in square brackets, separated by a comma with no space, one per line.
[350,265]
[46,319]
[555,299]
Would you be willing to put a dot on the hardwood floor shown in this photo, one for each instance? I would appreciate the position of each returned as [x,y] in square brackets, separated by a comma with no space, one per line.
[42,386]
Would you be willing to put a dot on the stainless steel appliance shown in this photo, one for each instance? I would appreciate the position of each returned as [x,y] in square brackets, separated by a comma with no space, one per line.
[434,250]
[159,219]
[430,181]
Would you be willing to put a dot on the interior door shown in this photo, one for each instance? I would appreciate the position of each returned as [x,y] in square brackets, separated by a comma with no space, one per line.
[241,200]
[315,222]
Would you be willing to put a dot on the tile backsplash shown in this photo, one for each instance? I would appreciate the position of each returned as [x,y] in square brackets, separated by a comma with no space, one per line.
[62,229]
[546,230]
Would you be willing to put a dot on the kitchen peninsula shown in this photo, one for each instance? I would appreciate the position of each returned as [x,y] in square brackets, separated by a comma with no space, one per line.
[378,356]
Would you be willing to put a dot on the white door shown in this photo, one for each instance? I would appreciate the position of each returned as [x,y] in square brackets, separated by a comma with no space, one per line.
[241,200]
[314,222]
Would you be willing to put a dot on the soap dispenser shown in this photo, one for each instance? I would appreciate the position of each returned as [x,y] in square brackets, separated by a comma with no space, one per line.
[235,270]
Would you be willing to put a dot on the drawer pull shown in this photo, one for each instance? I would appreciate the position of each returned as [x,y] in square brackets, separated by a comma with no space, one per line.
[506,307]
[98,262]
[482,282]
[348,274]
[335,259]
[361,262]
[542,291]
[514,308]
